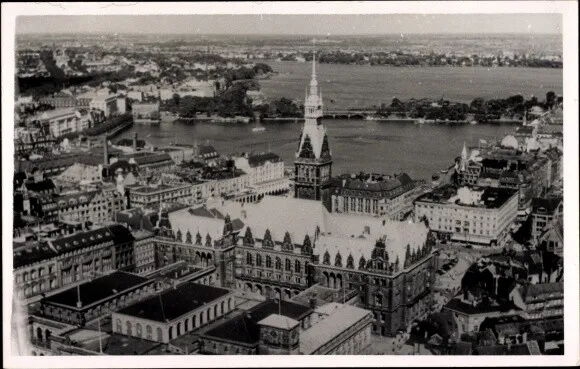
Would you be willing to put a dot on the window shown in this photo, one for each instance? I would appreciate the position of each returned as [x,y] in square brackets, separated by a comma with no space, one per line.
[297,266]
[288,265]
[258,260]
[278,263]
[268,261]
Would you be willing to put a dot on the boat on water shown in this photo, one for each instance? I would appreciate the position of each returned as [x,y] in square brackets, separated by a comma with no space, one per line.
[258,129]
[420,121]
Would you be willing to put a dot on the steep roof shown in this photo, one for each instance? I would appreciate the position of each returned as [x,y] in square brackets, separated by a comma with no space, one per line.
[546,205]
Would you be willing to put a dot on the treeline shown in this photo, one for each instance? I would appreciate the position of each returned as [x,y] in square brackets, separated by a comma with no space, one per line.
[42,86]
[282,108]
[513,107]
[229,103]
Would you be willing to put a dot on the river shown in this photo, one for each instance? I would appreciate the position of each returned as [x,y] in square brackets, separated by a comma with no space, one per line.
[364,85]
[356,145]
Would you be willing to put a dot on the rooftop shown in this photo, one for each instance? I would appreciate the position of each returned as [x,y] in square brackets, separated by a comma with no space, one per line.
[474,196]
[279,321]
[335,319]
[99,289]
[175,302]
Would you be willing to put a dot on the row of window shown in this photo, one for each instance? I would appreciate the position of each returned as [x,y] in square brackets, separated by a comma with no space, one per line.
[277,263]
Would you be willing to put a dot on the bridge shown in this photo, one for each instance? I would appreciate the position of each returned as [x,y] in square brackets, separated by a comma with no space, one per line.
[349,113]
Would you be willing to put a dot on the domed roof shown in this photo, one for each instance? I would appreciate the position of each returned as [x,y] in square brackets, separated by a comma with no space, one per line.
[509,141]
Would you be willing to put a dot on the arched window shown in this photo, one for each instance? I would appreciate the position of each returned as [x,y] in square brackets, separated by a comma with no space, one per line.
[268,261]
[249,258]
[259,260]
[170,333]
[149,331]
[138,329]
[215,311]
[288,265]
[119,325]
[222,306]
[159,334]
[207,315]
[229,304]
[278,263]
[178,329]
[186,325]
[129,328]
[297,266]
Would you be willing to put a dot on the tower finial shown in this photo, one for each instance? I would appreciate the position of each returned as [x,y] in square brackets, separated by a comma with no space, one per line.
[313,58]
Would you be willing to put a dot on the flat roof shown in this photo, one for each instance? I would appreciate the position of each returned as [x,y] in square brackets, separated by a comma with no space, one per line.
[491,197]
[174,302]
[99,289]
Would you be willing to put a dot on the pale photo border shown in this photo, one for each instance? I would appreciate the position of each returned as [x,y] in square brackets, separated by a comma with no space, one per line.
[569,11]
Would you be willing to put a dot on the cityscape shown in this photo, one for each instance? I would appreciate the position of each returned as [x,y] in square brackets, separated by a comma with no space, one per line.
[204,194]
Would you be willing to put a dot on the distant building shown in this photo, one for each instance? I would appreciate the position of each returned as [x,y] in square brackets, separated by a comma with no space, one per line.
[266,172]
[539,301]
[57,122]
[478,215]
[146,112]
[544,212]
[105,103]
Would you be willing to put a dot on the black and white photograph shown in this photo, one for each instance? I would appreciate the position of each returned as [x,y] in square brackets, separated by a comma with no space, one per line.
[290,179]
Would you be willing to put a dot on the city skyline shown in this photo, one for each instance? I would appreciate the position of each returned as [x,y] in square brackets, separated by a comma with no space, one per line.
[292,24]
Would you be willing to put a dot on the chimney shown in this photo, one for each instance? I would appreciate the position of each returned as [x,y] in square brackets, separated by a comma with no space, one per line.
[313,301]
[105,151]
[135,141]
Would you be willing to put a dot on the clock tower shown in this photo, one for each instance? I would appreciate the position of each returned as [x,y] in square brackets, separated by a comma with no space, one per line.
[313,163]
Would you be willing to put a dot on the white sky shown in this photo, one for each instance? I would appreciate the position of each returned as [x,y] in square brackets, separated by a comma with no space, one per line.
[340,24]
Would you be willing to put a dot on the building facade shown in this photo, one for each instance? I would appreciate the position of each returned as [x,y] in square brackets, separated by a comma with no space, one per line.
[376,195]
[313,163]
[469,214]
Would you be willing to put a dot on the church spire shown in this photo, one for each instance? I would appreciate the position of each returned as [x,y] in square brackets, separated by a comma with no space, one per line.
[313,81]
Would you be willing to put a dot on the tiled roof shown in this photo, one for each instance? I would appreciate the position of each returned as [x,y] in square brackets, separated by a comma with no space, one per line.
[550,205]
[44,185]
[174,302]
[116,233]
[96,290]
[542,291]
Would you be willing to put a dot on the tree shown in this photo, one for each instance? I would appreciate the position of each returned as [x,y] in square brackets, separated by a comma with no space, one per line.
[176,99]
[550,99]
